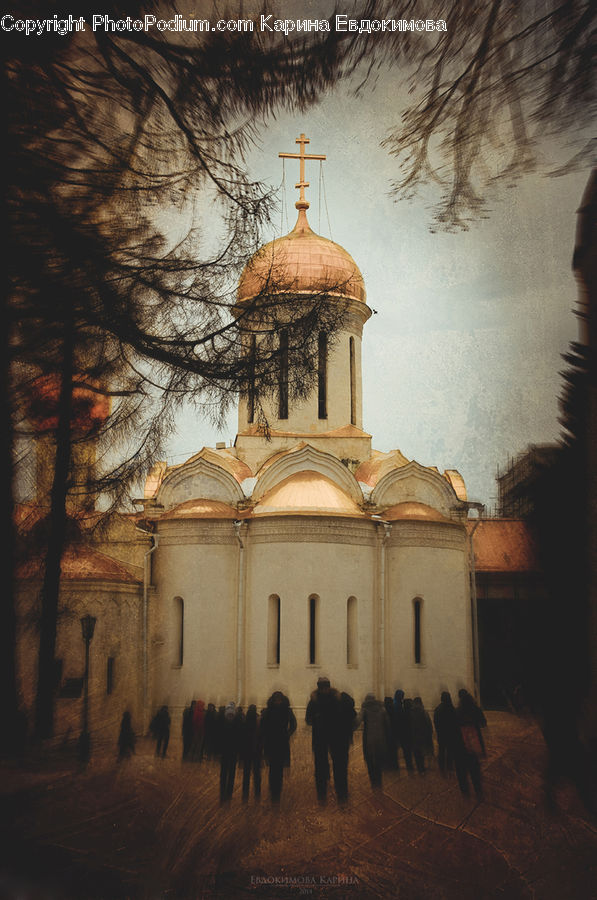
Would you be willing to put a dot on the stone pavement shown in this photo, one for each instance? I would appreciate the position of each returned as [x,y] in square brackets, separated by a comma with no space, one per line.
[150,828]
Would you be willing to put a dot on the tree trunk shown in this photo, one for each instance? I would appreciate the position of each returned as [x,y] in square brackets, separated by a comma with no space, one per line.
[8,681]
[44,711]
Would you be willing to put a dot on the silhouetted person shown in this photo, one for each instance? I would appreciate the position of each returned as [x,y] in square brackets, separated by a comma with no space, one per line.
[278,724]
[518,699]
[447,730]
[126,737]
[473,712]
[160,728]
[229,744]
[198,734]
[340,747]
[187,730]
[219,730]
[377,734]
[210,732]
[422,734]
[467,759]
[402,728]
[328,739]
[251,753]
[392,759]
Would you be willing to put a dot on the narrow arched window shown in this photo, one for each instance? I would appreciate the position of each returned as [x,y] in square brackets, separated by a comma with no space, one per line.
[110,675]
[353,383]
[178,631]
[417,608]
[313,610]
[273,631]
[351,632]
[322,374]
[283,376]
[251,390]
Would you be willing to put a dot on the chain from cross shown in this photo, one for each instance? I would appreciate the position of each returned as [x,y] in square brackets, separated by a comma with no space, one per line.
[301,203]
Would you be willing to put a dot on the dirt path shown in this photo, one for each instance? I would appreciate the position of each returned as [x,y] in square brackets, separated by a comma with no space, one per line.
[155,829]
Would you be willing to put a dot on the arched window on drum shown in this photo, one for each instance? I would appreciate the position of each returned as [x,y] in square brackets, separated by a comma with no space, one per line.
[273,631]
[352,657]
[178,632]
[417,630]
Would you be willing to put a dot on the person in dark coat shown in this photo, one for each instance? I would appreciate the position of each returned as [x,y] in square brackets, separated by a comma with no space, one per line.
[230,725]
[187,730]
[160,729]
[278,724]
[198,730]
[402,728]
[218,729]
[422,734]
[251,752]
[467,760]
[447,729]
[329,738]
[126,737]
[210,732]
[473,712]
[377,735]
[341,745]
[392,760]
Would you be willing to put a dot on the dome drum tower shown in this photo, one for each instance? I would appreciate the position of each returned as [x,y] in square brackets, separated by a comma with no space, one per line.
[295,269]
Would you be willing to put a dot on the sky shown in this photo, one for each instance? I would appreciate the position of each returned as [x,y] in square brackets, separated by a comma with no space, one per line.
[461,361]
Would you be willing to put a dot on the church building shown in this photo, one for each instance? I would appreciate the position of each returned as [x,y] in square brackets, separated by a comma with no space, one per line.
[292,554]
[305,551]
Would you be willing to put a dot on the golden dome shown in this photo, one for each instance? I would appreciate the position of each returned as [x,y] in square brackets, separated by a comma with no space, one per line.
[307,493]
[302,262]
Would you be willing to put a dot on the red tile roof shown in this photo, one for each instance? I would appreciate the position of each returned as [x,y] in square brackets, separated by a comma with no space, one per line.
[80,563]
[503,545]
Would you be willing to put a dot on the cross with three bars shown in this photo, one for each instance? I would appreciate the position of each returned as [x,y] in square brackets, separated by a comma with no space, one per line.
[301,203]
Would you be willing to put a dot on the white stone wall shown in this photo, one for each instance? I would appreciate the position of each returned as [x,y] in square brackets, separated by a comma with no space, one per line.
[197,561]
[428,561]
[295,557]
[117,609]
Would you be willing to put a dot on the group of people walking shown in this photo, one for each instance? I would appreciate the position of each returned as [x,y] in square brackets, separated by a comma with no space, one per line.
[397,726]
[241,739]
[394,729]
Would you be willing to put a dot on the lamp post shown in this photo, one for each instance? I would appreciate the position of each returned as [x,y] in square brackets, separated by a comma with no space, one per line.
[87,628]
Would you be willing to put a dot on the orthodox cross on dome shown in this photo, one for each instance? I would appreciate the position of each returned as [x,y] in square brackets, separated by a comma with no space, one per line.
[301,203]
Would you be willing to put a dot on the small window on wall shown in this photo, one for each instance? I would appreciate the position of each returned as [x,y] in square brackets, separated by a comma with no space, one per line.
[322,375]
[251,389]
[313,636]
[351,632]
[417,610]
[353,383]
[273,631]
[283,376]
[178,631]
[57,673]
[110,675]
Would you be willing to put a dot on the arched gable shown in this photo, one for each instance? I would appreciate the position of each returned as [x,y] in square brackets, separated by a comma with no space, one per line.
[301,458]
[372,470]
[199,478]
[307,493]
[416,483]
